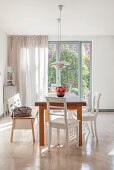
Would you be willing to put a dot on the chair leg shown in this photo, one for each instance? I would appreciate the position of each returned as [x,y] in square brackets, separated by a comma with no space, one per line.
[92,129]
[95,130]
[87,126]
[77,136]
[66,147]
[13,125]
[49,137]
[58,132]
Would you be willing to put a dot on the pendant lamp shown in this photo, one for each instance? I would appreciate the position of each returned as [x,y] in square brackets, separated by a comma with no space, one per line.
[60,64]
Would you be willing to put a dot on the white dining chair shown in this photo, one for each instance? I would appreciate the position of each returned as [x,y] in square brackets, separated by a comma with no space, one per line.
[61,121]
[92,116]
[86,98]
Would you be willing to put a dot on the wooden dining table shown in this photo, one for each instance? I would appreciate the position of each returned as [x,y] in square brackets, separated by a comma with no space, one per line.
[73,103]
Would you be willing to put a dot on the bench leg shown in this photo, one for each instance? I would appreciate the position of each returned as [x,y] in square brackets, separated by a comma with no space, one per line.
[32,124]
[13,125]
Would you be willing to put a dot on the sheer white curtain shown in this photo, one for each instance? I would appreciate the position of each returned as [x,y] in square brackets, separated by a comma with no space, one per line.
[29,55]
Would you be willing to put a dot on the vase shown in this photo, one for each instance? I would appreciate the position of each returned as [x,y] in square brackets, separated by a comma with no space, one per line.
[60,94]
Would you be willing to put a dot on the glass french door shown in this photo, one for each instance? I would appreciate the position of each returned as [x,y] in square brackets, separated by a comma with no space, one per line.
[78,75]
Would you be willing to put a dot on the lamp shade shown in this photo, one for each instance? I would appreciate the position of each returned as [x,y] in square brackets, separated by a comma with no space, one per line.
[11,69]
[59,64]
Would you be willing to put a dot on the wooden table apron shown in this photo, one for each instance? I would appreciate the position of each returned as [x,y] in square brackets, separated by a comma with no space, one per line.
[70,106]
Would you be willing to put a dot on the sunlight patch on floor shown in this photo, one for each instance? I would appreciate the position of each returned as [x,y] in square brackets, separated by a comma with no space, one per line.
[5,124]
[111,153]
[46,149]
[5,128]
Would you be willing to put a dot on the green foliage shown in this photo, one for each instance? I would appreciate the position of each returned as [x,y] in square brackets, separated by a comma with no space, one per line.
[51,71]
[69,75]
[85,72]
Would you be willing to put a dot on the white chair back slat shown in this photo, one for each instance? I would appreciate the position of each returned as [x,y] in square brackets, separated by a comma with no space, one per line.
[55,99]
[14,102]
[56,107]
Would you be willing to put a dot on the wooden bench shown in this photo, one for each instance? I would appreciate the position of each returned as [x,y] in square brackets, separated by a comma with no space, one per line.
[21,122]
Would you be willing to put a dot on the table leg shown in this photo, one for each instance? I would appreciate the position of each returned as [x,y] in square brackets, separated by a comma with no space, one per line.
[79,117]
[41,125]
[46,120]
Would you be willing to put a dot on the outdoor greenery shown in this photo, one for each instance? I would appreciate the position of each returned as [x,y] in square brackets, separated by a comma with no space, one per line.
[51,59]
[69,75]
[85,73]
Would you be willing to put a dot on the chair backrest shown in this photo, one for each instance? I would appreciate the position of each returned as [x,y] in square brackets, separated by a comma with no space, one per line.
[14,102]
[53,88]
[54,103]
[96,101]
[86,98]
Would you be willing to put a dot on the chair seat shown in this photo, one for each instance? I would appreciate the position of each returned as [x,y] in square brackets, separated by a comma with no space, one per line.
[60,122]
[87,116]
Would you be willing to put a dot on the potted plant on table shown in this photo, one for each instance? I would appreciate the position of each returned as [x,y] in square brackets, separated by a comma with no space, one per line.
[60,91]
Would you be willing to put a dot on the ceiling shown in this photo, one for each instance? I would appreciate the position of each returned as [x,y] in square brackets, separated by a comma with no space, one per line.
[38,17]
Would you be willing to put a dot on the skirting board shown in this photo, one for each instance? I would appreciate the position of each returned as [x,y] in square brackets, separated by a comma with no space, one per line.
[2,115]
[106,110]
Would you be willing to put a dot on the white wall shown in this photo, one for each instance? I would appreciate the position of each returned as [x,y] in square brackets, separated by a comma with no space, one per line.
[103,70]
[102,66]
[3,63]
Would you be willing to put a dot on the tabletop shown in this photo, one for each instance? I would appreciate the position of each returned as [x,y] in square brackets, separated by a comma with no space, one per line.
[71,98]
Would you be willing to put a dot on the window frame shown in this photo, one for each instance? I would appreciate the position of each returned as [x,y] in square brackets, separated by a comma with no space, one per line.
[79,64]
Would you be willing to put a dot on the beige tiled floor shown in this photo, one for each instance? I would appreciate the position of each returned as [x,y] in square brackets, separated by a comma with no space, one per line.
[22,154]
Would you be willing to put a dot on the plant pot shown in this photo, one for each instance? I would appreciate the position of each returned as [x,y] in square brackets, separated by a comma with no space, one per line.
[60,94]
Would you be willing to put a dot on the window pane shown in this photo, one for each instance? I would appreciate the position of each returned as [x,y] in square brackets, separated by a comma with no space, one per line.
[85,66]
[69,75]
[51,59]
